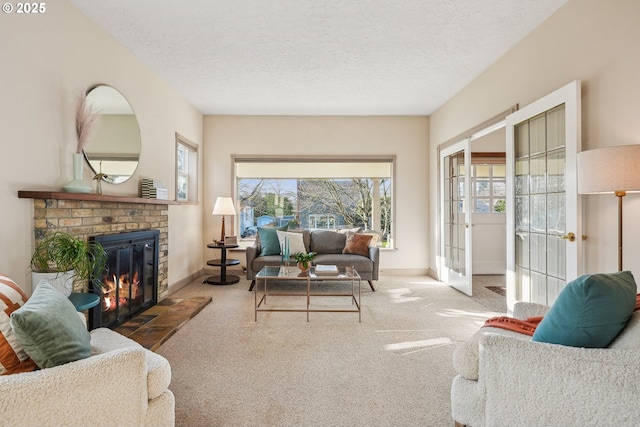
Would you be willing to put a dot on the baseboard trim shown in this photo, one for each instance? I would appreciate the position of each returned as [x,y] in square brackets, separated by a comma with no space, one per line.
[403,272]
[185,281]
[433,274]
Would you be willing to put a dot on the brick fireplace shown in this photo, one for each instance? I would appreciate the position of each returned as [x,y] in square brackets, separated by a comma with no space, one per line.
[90,215]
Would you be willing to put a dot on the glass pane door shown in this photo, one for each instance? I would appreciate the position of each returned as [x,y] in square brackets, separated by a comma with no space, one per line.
[456,232]
[540,213]
[543,214]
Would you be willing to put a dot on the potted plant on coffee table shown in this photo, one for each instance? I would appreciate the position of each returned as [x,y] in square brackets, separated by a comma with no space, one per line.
[61,259]
[304,260]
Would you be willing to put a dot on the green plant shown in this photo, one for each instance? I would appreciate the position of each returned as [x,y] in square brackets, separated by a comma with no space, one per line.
[304,259]
[60,252]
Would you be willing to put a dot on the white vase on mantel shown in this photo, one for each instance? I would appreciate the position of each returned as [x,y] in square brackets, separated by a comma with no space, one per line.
[77,185]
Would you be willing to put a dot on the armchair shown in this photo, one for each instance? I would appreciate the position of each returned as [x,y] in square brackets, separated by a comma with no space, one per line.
[505,379]
[120,384]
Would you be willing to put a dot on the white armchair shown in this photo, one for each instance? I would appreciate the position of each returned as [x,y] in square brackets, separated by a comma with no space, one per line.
[120,384]
[505,379]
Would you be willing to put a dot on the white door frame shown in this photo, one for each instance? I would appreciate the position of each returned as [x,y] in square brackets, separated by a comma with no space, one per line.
[570,96]
[462,282]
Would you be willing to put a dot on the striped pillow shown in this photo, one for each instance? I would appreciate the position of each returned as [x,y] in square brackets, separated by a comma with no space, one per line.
[13,359]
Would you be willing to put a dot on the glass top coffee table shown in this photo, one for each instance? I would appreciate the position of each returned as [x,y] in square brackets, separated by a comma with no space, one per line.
[346,275]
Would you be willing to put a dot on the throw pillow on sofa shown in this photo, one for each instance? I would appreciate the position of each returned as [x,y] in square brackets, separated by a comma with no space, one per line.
[296,243]
[49,329]
[13,358]
[590,311]
[269,243]
[357,244]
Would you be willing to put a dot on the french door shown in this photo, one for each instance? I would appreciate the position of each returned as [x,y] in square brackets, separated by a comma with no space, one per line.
[455,188]
[544,232]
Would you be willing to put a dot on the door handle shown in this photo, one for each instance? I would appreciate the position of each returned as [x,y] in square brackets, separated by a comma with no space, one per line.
[570,237]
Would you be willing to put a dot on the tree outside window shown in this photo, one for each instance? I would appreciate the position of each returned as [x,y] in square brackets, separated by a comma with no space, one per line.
[316,203]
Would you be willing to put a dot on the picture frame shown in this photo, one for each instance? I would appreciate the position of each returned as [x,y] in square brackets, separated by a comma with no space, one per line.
[230,240]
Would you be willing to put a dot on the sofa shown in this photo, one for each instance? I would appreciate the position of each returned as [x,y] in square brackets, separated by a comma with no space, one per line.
[343,249]
[507,378]
[116,382]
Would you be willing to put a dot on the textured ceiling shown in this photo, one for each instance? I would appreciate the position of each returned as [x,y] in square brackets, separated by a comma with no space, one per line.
[318,57]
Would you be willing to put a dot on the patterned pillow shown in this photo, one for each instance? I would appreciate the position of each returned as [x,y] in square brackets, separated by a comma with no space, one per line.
[13,358]
[357,244]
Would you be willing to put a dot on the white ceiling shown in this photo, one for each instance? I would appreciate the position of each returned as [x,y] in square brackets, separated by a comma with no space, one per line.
[318,57]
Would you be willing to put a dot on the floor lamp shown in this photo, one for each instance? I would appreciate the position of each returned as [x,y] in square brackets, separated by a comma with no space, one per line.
[612,170]
[223,206]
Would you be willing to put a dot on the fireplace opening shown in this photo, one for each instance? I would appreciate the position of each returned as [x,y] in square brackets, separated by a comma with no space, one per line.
[130,281]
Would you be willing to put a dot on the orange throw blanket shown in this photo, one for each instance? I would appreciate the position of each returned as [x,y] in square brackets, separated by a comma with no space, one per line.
[527,326]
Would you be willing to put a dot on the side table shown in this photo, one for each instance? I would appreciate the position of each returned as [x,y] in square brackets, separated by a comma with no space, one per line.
[223,263]
[84,301]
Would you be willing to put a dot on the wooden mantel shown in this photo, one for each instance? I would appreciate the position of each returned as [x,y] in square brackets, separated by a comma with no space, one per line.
[61,195]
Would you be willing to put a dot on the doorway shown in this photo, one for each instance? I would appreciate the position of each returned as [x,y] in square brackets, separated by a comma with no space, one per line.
[472,200]
[488,219]
[543,245]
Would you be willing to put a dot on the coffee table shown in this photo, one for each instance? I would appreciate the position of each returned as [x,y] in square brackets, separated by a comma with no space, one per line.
[282,273]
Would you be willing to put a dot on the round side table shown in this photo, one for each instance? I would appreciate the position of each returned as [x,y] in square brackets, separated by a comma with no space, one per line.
[84,301]
[223,263]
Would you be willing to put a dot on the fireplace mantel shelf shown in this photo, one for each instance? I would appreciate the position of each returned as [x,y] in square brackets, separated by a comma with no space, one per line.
[61,195]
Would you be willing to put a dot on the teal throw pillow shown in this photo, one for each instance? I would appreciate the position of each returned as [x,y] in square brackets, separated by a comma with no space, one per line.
[590,311]
[269,240]
[49,328]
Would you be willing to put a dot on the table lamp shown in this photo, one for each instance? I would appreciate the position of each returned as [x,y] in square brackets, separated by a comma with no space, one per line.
[611,170]
[223,206]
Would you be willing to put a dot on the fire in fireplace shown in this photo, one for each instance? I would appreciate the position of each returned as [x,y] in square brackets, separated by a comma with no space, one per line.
[130,281]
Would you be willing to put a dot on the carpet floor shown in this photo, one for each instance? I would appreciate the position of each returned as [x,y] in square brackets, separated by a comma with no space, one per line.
[486,291]
[392,369]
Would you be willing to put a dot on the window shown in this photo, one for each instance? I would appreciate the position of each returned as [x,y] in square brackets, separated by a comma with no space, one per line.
[489,188]
[186,170]
[315,193]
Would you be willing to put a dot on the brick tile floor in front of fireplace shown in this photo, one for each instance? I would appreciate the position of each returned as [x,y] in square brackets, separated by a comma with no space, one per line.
[154,326]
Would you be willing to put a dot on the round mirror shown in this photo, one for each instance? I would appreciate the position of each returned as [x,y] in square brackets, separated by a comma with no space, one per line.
[114,147]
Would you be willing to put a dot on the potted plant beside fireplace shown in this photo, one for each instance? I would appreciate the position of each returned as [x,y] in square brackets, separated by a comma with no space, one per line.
[62,259]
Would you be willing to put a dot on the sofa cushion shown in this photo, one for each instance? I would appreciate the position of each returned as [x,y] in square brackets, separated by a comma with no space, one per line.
[327,242]
[357,244]
[13,358]
[361,264]
[590,311]
[296,242]
[49,329]
[262,261]
[269,240]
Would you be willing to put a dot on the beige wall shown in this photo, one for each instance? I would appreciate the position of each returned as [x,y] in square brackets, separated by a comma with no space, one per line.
[589,40]
[406,137]
[47,60]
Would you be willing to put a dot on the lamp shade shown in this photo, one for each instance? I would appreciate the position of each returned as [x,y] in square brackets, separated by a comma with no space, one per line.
[609,170]
[224,206]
